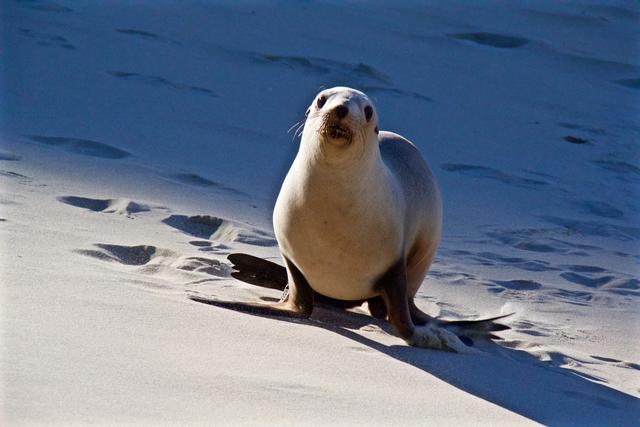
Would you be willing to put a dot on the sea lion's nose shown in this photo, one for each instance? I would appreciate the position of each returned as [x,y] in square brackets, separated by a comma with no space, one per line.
[341,111]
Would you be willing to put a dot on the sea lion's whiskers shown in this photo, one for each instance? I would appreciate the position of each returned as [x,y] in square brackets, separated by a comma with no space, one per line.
[296,124]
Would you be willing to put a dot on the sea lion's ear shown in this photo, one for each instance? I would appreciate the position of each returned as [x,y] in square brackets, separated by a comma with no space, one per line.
[376,130]
[307,113]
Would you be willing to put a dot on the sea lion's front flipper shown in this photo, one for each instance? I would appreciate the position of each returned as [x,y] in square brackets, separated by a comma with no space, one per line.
[485,325]
[267,274]
[258,271]
[279,309]
[297,302]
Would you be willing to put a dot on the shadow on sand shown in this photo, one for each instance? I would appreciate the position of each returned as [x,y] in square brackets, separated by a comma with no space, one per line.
[512,379]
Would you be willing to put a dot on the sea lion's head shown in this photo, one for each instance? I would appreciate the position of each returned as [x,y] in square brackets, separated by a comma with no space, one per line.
[340,122]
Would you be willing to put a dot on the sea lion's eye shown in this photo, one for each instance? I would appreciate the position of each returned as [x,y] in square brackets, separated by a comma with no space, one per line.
[368,112]
[321,101]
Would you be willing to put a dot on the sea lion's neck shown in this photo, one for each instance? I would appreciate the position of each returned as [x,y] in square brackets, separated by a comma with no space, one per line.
[357,167]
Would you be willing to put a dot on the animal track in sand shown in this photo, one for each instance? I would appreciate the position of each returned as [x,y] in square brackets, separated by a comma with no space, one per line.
[581,298]
[43,5]
[595,228]
[490,258]
[9,157]
[496,40]
[146,35]
[590,282]
[530,328]
[141,33]
[591,130]
[453,278]
[600,209]
[218,229]
[199,181]
[162,82]
[205,265]
[475,171]
[207,246]
[623,170]
[515,285]
[575,139]
[621,284]
[84,147]
[630,83]
[322,66]
[153,260]
[118,206]
[372,90]
[539,240]
[17,176]
[46,39]
[583,268]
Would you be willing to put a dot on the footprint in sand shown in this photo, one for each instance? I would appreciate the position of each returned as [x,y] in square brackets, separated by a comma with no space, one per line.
[499,286]
[529,328]
[43,5]
[373,90]
[490,258]
[84,147]
[623,171]
[19,178]
[600,209]
[9,157]
[207,246]
[629,83]
[199,181]
[146,35]
[501,41]
[617,362]
[582,298]
[154,260]
[46,39]
[218,229]
[573,126]
[475,171]
[576,139]
[23,179]
[118,206]
[322,66]
[162,82]
[539,240]
[598,278]
[453,278]
[128,255]
[595,228]
[588,281]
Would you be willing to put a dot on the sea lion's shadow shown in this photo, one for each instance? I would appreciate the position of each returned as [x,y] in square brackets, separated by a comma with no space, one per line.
[512,379]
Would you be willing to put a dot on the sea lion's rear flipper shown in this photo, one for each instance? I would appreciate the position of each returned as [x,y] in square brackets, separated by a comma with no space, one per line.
[478,326]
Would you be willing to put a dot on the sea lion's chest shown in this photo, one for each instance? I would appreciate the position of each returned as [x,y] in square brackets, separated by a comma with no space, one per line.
[340,238]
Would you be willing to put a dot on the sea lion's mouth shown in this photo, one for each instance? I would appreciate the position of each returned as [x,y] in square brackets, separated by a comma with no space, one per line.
[337,132]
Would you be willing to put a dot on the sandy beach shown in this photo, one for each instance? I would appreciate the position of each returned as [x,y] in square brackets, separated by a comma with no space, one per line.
[142,144]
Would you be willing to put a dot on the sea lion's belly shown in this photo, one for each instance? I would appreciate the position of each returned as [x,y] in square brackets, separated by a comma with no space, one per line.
[341,254]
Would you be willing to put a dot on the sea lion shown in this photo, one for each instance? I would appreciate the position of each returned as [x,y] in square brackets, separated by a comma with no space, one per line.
[358,217]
